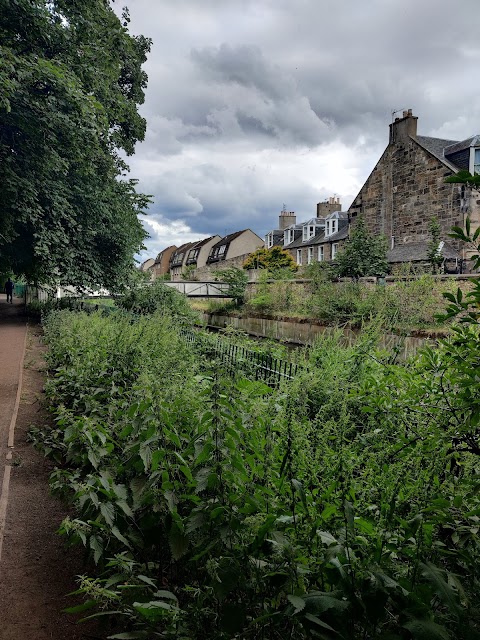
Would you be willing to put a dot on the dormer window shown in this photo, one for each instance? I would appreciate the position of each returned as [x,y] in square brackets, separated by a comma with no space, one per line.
[331,227]
[269,240]
[288,236]
[308,232]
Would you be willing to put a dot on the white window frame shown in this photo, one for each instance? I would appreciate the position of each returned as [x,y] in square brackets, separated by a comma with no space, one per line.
[288,236]
[299,257]
[321,253]
[331,227]
[309,255]
[334,250]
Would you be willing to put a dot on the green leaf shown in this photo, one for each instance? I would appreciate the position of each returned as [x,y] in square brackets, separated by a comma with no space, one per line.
[297,485]
[96,545]
[321,602]
[108,512]
[89,604]
[319,622]
[130,635]
[178,542]
[426,630]
[326,537]
[444,591]
[166,594]
[298,603]
[116,532]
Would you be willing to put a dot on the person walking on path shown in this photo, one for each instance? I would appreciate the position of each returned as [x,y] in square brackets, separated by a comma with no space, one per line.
[9,287]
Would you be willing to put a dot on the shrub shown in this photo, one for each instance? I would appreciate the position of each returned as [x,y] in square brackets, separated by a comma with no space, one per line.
[271,259]
[156,297]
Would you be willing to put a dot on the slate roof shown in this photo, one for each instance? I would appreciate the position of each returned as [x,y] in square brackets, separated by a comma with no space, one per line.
[337,215]
[460,146]
[417,252]
[277,237]
[436,146]
[340,235]
[175,260]
[159,257]
[200,244]
[299,242]
[297,234]
[228,239]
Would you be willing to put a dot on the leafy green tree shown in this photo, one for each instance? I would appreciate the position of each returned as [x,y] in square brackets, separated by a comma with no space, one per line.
[363,254]
[71,81]
[271,259]
[433,254]
[465,177]
[237,279]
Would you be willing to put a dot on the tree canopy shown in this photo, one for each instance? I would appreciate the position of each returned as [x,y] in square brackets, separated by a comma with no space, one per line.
[363,254]
[71,81]
[273,258]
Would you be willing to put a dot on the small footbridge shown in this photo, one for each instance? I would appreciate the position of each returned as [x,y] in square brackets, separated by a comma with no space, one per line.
[201,289]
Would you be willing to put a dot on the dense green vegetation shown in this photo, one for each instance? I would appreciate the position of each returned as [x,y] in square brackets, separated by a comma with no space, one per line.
[345,504]
[71,82]
[363,254]
[271,259]
[405,304]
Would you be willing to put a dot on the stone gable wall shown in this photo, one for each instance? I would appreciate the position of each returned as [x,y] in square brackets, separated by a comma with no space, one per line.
[405,190]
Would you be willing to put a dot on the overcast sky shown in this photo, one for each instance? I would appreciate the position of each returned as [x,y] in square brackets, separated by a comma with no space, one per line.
[252,104]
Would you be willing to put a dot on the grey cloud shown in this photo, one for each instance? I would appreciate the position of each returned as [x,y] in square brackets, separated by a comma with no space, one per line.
[268,80]
[252,91]
[244,65]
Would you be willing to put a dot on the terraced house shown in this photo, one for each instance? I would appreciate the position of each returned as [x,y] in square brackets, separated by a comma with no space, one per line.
[407,188]
[316,239]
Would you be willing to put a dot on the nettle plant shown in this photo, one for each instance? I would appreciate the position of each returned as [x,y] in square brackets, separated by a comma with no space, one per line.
[344,504]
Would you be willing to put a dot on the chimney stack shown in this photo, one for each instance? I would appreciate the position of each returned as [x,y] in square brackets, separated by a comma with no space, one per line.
[286,218]
[403,128]
[329,206]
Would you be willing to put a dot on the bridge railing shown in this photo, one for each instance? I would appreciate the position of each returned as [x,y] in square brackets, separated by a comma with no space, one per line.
[194,289]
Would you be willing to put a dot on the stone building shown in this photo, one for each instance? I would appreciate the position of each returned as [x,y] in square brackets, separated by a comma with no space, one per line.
[314,240]
[407,188]
[320,238]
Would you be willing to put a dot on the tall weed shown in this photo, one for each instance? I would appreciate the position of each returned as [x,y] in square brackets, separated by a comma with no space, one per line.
[217,507]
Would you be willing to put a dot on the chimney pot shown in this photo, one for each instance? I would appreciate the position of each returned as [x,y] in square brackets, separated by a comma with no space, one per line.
[405,114]
[409,112]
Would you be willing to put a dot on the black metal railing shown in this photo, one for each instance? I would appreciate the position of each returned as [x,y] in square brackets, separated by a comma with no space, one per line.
[253,364]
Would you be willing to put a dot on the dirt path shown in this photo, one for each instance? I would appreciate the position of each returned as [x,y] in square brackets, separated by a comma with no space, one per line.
[36,571]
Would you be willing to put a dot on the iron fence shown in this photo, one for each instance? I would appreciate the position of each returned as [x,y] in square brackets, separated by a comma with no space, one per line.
[254,364]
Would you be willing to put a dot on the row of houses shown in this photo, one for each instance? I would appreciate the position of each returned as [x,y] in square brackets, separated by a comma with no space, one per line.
[204,256]
[404,192]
